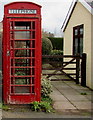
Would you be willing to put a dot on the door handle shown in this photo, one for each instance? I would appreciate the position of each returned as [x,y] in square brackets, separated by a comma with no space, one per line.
[8,53]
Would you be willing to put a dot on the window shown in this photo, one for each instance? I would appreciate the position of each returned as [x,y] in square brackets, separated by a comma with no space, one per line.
[78,32]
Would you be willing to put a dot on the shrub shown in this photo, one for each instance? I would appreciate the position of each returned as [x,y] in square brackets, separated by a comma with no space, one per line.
[57,43]
[58,61]
[56,52]
[41,106]
[46,102]
[46,87]
[35,106]
[46,46]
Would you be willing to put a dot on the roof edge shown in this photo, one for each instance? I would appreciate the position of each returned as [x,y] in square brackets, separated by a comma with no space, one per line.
[71,9]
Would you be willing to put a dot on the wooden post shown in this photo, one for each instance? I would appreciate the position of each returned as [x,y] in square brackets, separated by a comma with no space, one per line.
[77,69]
[83,70]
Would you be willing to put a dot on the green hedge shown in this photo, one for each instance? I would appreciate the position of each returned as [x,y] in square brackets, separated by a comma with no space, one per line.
[57,43]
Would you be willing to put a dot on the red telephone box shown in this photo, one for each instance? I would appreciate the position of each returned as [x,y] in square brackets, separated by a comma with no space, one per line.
[21,53]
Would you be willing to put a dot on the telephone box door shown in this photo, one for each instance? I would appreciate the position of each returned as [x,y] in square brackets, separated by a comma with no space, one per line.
[23,58]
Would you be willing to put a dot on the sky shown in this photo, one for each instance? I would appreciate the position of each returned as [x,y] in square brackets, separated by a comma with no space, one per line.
[53,13]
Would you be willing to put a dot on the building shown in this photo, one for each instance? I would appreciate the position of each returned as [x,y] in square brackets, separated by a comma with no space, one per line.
[78,37]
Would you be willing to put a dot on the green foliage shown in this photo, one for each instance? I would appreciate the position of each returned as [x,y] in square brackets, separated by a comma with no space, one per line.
[46,46]
[46,102]
[45,105]
[35,106]
[46,87]
[20,73]
[56,52]
[47,99]
[57,43]
[4,107]
[57,60]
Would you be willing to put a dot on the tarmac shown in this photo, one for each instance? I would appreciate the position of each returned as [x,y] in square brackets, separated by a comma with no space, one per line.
[69,101]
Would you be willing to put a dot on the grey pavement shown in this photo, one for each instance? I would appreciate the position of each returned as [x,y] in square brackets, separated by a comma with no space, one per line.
[68,96]
[68,102]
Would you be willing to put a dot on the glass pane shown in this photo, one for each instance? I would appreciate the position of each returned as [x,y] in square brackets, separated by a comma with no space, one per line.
[33,71]
[22,62]
[81,46]
[33,25]
[81,31]
[33,44]
[20,89]
[22,25]
[33,81]
[23,44]
[21,81]
[76,31]
[33,62]
[33,53]
[76,46]
[22,34]
[33,34]
[33,90]
[23,53]
[22,71]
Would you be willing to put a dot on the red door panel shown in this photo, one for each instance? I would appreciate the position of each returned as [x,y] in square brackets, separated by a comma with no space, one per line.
[23,58]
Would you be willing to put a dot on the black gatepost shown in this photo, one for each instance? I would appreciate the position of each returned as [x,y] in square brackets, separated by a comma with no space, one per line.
[83,70]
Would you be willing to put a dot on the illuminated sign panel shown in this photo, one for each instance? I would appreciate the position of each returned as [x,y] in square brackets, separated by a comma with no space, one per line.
[22,11]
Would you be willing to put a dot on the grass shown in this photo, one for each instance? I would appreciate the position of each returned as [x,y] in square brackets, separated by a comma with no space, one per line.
[4,107]
[83,93]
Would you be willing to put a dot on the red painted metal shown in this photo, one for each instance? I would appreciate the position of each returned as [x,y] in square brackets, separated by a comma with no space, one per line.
[21,71]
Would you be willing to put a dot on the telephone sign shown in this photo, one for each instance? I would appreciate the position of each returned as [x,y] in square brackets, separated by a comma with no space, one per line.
[22,11]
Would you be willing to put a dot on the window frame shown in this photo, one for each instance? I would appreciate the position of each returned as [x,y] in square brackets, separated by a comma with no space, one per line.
[78,36]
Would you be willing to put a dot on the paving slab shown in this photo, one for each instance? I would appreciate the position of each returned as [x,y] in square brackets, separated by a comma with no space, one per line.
[63,105]
[89,97]
[58,98]
[78,87]
[82,105]
[70,82]
[76,97]
[69,92]
[56,93]
[87,91]
[71,98]
[63,87]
